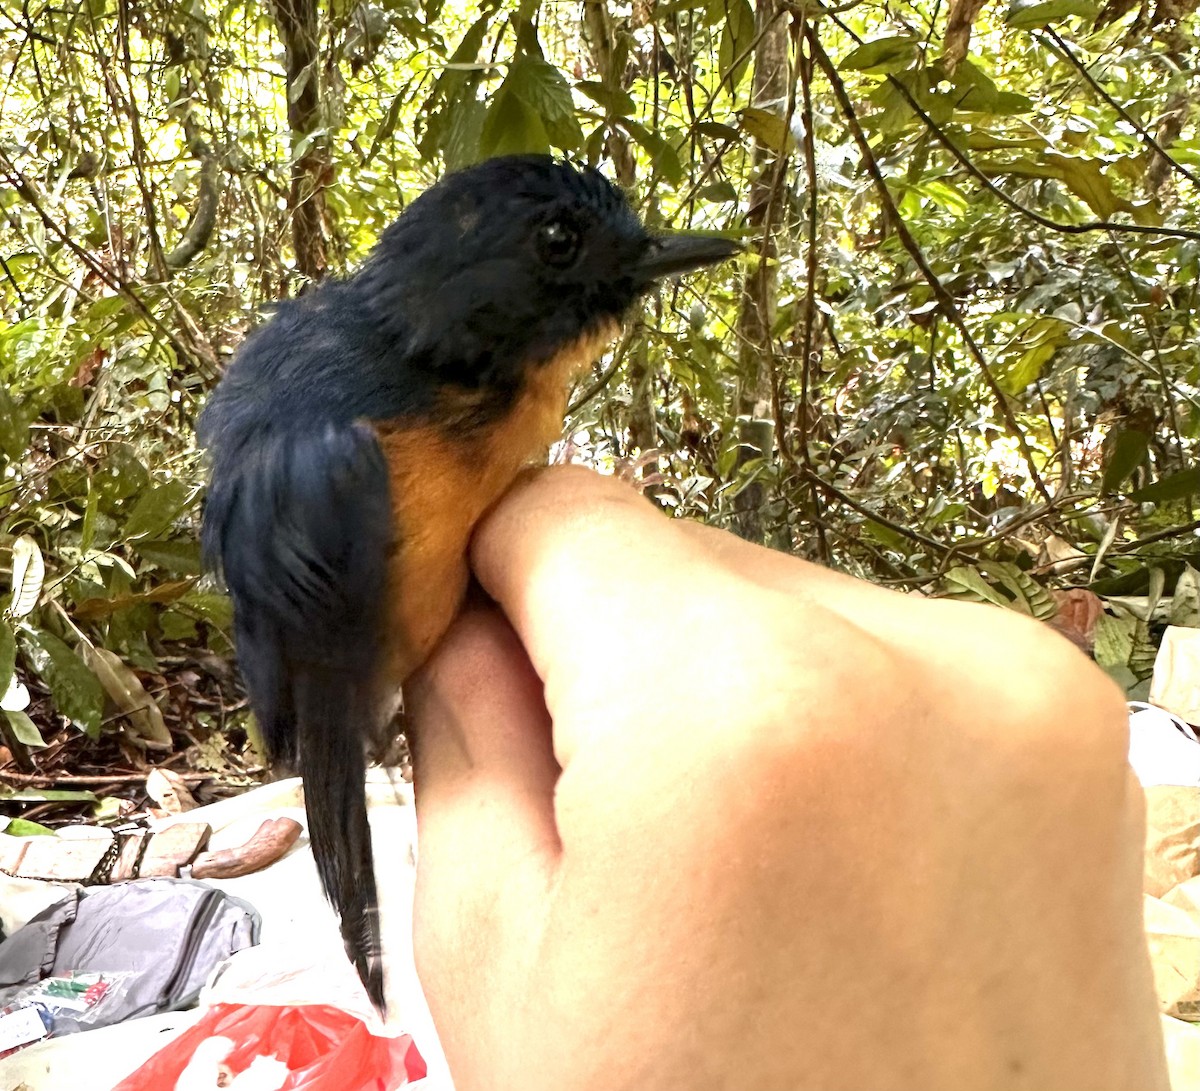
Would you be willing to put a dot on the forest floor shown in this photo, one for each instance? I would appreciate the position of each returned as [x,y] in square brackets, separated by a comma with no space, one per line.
[75,778]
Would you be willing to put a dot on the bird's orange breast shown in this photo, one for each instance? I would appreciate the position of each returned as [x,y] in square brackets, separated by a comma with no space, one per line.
[444,478]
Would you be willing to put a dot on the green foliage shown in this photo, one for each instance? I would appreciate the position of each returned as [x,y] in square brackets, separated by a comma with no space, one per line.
[1044,389]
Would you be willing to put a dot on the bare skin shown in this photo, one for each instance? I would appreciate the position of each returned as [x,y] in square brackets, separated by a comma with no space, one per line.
[693,814]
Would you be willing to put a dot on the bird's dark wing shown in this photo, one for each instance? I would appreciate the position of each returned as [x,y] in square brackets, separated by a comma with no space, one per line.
[299,522]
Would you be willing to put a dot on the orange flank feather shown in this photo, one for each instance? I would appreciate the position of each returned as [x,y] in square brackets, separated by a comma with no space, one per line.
[442,481]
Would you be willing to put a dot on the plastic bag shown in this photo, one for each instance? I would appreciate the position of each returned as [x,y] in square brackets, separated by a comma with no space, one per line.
[323,1049]
[59,1005]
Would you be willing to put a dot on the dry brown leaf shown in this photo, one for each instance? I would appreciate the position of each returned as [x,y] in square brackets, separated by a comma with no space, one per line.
[1078,611]
[168,790]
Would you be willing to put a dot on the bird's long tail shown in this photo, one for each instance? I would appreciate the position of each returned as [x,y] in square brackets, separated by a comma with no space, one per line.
[332,713]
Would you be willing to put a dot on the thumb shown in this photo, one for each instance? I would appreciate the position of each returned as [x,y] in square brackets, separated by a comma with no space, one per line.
[484,776]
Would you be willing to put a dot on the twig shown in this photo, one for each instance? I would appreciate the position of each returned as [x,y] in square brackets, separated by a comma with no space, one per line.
[47,780]
[1045,221]
[944,298]
[1081,68]
[862,509]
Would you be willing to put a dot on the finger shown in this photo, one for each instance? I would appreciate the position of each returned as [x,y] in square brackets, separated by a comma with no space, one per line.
[594,578]
[483,768]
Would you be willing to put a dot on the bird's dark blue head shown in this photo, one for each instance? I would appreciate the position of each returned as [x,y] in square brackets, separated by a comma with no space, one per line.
[499,267]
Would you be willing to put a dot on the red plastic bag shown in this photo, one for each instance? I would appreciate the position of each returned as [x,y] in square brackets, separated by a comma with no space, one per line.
[324,1048]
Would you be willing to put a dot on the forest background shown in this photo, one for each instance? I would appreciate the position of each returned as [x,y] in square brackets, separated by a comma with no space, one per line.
[958,357]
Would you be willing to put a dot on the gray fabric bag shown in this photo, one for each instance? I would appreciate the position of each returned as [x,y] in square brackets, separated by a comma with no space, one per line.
[171,933]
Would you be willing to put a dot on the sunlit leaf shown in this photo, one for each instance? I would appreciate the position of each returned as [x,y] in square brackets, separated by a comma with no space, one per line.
[767,128]
[883,55]
[1032,14]
[47,795]
[28,572]
[737,38]
[23,827]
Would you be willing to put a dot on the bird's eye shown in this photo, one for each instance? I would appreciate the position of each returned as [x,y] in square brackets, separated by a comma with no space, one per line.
[558,243]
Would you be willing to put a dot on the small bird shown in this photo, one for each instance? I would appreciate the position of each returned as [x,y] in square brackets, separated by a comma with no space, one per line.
[361,433]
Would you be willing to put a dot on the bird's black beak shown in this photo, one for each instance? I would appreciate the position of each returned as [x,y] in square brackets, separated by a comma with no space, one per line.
[669,255]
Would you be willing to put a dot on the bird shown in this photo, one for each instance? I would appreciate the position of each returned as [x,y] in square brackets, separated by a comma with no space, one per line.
[363,430]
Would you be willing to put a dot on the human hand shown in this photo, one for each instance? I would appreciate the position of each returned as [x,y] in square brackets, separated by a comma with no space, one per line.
[695,814]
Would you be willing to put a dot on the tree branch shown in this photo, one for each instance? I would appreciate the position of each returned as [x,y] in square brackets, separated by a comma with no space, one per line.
[944,298]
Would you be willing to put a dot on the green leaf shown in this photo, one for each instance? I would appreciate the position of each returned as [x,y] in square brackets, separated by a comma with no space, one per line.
[23,827]
[1029,596]
[215,609]
[613,99]
[964,582]
[1033,14]
[87,528]
[544,89]
[1124,451]
[179,558]
[717,192]
[1034,349]
[462,132]
[1114,644]
[511,127]
[883,56]
[25,729]
[156,509]
[663,157]
[106,307]
[1172,487]
[129,695]
[386,127]
[121,474]
[1085,178]
[47,795]
[8,656]
[769,129]
[176,625]
[28,572]
[76,691]
[737,40]
[453,90]
[14,427]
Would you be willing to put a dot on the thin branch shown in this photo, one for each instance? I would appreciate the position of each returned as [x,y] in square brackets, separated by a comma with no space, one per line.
[897,528]
[26,191]
[1158,536]
[1045,221]
[606,377]
[810,280]
[944,298]
[1125,115]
